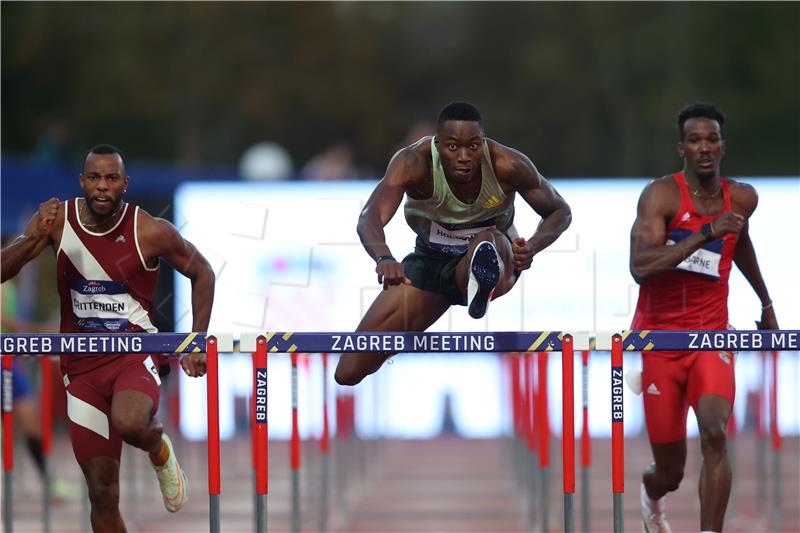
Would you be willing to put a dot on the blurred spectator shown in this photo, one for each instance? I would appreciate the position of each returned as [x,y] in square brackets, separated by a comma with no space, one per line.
[334,164]
[266,161]
[52,148]
[420,129]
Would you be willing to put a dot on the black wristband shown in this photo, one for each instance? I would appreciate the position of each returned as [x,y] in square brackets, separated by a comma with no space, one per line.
[383,258]
[707,231]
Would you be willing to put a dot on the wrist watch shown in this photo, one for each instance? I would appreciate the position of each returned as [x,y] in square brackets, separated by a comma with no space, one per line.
[383,258]
[707,231]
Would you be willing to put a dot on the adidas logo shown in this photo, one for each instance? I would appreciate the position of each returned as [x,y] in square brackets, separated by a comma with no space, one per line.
[725,358]
[494,201]
[652,389]
[685,217]
[121,238]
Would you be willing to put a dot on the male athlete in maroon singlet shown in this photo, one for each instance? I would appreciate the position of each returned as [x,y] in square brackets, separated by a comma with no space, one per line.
[108,253]
[690,228]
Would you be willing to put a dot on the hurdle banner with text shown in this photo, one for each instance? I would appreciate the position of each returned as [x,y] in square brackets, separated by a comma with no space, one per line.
[464,342]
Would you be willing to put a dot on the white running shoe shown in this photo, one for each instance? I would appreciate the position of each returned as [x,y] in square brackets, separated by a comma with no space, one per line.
[654,519]
[171,480]
[484,273]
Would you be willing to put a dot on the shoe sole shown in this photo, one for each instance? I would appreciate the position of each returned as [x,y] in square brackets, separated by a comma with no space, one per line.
[484,275]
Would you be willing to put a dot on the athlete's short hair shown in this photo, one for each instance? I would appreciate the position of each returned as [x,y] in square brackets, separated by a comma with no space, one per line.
[458,111]
[700,109]
[103,149]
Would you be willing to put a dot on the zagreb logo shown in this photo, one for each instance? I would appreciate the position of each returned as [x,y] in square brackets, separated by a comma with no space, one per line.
[93,287]
[261,396]
[616,394]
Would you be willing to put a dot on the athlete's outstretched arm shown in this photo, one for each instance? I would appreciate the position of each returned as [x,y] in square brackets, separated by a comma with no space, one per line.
[163,240]
[35,238]
[543,198]
[379,210]
[744,256]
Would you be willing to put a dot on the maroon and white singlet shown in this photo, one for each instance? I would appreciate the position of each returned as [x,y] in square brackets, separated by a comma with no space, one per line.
[105,286]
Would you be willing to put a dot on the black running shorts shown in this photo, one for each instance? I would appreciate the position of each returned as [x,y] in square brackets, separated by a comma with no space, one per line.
[433,271]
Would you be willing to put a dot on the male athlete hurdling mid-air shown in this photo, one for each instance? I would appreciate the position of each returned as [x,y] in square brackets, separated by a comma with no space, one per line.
[460,189]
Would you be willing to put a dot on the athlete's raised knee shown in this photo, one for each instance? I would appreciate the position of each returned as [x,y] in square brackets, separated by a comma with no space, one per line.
[131,428]
[347,378]
[347,373]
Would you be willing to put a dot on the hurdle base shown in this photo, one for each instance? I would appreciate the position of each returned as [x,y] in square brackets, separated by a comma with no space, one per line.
[569,512]
[213,513]
[618,513]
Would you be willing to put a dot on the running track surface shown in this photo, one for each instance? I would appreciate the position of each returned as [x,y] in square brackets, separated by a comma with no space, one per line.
[445,484]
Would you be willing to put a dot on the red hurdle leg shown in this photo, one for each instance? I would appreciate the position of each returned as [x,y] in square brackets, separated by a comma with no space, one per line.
[568,429]
[8,440]
[617,431]
[212,382]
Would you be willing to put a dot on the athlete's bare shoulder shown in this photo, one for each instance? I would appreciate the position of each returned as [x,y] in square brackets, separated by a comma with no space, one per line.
[660,197]
[665,185]
[514,170]
[410,166]
[156,235]
[743,196]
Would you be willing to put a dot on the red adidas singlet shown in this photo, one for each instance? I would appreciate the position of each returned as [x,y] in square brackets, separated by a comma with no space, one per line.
[694,295]
[104,284]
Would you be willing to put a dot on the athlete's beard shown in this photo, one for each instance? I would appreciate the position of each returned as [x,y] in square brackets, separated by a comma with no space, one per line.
[100,218]
[706,176]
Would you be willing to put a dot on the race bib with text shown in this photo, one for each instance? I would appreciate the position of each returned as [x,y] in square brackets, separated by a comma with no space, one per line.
[100,305]
[454,239]
[704,261]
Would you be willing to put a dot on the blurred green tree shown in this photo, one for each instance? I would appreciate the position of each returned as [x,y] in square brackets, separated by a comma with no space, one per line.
[585,89]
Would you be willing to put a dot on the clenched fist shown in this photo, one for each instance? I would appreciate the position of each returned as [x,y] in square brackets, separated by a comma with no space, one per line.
[522,254]
[46,217]
[727,222]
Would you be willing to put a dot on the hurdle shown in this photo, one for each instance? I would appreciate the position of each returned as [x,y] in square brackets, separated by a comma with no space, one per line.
[293,343]
[586,445]
[8,442]
[66,344]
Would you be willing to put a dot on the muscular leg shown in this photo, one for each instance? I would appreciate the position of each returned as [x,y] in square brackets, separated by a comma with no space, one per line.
[27,413]
[102,479]
[503,247]
[399,308]
[715,476]
[666,473]
[665,411]
[132,416]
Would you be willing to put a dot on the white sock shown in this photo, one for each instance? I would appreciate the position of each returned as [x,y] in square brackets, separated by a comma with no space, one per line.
[656,506]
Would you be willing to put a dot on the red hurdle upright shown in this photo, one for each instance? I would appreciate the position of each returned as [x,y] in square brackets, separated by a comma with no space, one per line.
[295,451]
[544,440]
[617,431]
[212,383]
[568,430]
[260,432]
[586,449]
[8,440]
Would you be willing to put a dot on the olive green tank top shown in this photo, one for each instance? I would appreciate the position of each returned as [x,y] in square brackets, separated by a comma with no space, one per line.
[445,223]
